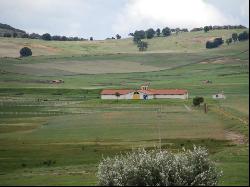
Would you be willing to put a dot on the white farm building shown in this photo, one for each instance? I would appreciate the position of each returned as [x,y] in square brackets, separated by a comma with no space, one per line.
[144,94]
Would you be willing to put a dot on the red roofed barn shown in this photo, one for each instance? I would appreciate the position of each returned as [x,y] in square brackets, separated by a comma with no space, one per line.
[144,93]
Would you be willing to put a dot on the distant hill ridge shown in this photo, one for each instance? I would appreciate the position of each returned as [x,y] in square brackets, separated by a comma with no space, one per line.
[10,28]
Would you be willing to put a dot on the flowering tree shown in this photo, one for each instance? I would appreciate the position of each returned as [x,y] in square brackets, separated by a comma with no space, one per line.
[159,168]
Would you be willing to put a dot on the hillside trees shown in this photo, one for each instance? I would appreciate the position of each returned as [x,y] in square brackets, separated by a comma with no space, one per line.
[206,29]
[150,33]
[7,35]
[166,31]
[235,37]
[118,37]
[158,32]
[46,37]
[142,45]
[243,36]
[229,40]
[139,35]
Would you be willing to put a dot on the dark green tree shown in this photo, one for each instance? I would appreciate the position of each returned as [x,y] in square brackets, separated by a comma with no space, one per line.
[91,38]
[142,45]
[197,101]
[235,37]
[150,33]
[243,36]
[166,32]
[229,40]
[206,28]
[158,32]
[46,37]
[118,37]
[139,35]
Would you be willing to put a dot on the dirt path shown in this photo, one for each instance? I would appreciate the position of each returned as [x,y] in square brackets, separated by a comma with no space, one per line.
[236,138]
[188,108]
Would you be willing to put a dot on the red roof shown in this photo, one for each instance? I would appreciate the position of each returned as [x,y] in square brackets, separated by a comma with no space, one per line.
[149,92]
[113,92]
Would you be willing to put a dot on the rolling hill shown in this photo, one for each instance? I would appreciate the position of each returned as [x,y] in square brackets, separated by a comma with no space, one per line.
[56,134]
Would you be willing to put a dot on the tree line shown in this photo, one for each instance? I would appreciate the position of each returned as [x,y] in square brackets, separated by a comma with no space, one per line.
[234,38]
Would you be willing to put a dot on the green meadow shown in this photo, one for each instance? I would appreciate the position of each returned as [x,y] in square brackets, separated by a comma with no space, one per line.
[56,134]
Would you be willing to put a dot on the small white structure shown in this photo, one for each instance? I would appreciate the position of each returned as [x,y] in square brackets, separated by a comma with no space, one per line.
[219,96]
[144,94]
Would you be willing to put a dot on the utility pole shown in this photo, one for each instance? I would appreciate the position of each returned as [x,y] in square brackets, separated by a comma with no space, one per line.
[159,115]
[205,108]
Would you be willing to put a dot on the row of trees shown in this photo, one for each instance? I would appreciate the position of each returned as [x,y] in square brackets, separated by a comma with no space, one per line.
[238,37]
[235,37]
[226,27]
[151,33]
[46,36]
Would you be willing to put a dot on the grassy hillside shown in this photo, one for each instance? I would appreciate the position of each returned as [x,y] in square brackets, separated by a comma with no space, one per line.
[56,134]
[182,43]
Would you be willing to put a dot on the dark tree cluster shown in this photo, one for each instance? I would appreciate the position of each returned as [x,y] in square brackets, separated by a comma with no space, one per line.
[45,36]
[215,43]
[238,37]
[243,36]
[197,101]
[216,27]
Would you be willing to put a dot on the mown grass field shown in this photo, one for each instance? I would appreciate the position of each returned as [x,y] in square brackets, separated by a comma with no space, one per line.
[56,134]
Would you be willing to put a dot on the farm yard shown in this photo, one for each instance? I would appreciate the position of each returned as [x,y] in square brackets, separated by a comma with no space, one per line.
[56,134]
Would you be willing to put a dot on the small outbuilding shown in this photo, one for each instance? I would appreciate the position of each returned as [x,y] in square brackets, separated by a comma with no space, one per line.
[219,96]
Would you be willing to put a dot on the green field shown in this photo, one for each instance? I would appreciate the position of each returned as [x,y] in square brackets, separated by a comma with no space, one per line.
[56,134]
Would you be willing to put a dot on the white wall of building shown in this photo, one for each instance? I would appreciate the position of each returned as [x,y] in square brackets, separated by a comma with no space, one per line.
[171,96]
[130,96]
[219,96]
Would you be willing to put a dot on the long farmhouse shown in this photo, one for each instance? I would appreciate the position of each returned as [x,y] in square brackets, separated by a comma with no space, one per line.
[144,94]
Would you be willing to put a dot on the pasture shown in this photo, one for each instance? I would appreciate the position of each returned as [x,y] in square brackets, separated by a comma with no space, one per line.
[56,134]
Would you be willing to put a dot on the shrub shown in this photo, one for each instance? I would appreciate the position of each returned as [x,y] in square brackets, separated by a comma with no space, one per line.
[24,52]
[142,45]
[229,40]
[159,168]
[198,100]
[215,43]
[235,37]
[243,36]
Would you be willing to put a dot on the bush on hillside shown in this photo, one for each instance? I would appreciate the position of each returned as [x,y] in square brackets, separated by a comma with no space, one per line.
[235,37]
[206,28]
[229,40]
[143,46]
[25,52]
[215,43]
[243,36]
[159,168]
